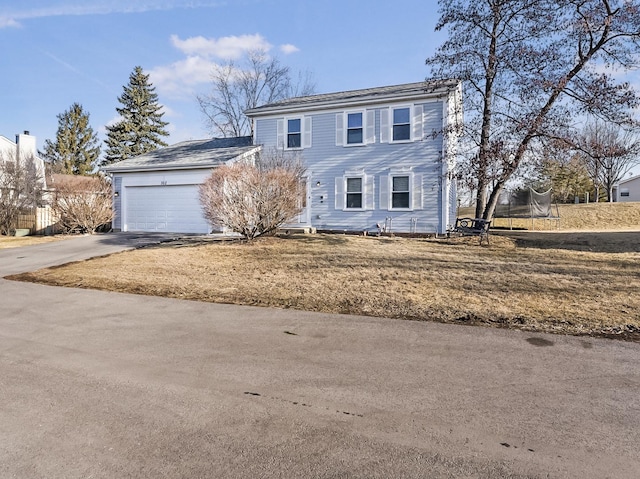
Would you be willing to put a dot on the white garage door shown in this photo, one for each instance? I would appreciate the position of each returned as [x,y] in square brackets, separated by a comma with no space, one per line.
[173,209]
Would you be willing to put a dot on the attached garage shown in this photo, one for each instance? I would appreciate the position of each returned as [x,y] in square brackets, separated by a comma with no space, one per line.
[158,192]
[170,208]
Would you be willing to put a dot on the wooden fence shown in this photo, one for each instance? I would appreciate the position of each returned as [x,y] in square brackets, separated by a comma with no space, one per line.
[39,221]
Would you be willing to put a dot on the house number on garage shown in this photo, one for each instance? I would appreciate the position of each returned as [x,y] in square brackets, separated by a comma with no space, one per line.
[163,183]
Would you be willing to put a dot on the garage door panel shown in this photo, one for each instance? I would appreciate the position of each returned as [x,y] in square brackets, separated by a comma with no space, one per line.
[174,209]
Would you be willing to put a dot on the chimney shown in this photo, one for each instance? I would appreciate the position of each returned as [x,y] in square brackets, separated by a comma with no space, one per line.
[26,146]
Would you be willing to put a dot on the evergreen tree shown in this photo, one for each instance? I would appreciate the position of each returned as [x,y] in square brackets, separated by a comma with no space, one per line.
[141,128]
[75,150]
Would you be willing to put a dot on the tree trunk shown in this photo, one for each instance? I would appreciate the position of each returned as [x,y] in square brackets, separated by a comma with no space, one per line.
[481,201]
[490,209]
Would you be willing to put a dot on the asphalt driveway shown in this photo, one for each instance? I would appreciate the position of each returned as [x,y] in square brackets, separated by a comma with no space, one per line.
[97,384]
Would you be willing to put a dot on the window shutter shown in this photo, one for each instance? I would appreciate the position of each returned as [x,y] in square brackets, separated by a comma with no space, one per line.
[416,200]
[417,123]
[306,135]
[370,127]
[280,132]
[340,193]
[339,129]
[384,125]
[369,192]
[384,192]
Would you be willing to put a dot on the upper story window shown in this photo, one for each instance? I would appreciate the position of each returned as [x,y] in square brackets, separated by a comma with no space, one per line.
[355,128]
[401,124]
[294,133]
[400,192]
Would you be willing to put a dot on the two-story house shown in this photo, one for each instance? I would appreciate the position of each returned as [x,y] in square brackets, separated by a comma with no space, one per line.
[378,158]
[374,157]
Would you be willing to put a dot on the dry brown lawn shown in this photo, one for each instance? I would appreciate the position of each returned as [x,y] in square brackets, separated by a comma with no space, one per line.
[17,241]
[583,284]
[590,216]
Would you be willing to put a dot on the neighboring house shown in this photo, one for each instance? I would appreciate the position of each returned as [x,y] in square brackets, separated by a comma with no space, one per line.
[23,148]
[158,191]
[379,158]
[628,190]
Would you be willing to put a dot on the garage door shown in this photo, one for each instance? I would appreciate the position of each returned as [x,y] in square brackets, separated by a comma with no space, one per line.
[174,209]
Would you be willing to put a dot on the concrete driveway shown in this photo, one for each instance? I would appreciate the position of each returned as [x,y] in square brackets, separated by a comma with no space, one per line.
[104,385]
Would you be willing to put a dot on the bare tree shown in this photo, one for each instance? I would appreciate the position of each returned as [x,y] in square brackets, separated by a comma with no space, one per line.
[21,188]
[255,198]
[82,203]
[259,80]
[530,67]
[609,152]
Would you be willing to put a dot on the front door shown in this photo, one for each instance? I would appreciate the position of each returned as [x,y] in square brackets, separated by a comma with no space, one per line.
[304,218]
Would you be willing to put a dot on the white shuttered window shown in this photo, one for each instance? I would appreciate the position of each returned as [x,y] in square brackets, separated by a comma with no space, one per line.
[354,191]
[294,133]
[401,190]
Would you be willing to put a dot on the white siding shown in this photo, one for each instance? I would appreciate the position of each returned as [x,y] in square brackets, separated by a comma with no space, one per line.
[632,186]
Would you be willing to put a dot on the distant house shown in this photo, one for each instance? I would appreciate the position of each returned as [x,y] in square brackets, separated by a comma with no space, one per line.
[628,190]
[378,158]
[21,150]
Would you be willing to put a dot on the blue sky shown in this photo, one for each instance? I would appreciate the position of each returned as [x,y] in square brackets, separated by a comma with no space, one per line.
[57,52]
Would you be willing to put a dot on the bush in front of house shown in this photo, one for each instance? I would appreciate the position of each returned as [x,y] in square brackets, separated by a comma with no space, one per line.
[256,196]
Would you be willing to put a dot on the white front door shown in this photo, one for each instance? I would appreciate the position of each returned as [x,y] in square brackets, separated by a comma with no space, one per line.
[304,218]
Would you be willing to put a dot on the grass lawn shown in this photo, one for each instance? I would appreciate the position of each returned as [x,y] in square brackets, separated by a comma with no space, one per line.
[17,241]
[555,282]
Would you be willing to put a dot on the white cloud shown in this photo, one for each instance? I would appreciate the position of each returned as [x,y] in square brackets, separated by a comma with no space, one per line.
[11,16]
[178,79]
[181,80]
[8,22]
[288,48]
[227,48]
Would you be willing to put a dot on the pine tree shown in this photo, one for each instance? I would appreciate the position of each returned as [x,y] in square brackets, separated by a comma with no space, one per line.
[141,128]
[75,150]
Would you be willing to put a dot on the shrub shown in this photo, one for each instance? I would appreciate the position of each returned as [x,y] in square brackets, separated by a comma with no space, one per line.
[83,203]
[255,197]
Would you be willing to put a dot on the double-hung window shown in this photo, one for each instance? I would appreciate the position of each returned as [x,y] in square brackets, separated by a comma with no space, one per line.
[355,125]
[354,193]
[401,124]
[356,128]
[401,189]
[400,192]
[294,133]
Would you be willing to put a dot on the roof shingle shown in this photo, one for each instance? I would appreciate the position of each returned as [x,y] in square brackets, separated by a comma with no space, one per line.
[187,154]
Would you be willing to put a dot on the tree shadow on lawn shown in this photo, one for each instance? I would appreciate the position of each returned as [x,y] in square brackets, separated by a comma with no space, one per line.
[593,242]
